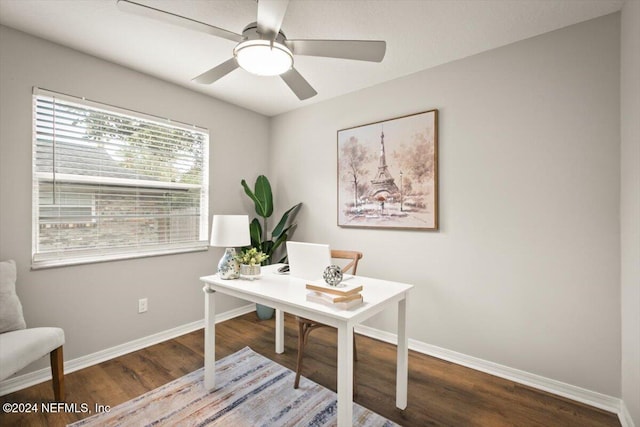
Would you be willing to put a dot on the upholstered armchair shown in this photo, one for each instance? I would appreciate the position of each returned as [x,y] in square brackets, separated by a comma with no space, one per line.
[20,346]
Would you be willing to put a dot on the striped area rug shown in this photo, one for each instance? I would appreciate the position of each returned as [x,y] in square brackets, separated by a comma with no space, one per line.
[251,391]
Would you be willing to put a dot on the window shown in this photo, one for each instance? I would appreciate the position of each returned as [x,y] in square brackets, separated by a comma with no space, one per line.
[110,183]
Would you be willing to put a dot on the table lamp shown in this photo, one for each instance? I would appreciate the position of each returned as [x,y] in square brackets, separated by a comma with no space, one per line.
[230,231]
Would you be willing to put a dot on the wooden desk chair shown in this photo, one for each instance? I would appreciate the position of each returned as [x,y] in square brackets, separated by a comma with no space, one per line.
[305,326]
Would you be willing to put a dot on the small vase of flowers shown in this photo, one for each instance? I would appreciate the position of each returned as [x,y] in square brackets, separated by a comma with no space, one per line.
[250,261]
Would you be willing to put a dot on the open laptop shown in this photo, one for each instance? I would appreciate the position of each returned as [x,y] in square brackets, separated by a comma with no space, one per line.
[308,260]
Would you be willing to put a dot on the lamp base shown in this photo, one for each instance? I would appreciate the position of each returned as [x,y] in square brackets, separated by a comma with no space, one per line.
[228,266]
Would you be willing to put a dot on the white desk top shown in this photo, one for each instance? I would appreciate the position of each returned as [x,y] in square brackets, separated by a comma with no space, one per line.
[289,294]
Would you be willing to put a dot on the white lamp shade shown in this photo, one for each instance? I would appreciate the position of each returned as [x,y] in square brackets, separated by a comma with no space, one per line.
[230,231]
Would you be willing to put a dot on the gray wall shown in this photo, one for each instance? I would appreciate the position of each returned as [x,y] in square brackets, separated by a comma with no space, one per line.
[630,207]
[525,270]
[97,304]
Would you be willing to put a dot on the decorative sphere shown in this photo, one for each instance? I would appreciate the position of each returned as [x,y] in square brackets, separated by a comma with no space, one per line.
[332,275]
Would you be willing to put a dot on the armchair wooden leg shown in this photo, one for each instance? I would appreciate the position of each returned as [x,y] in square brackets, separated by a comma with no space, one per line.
[57,373]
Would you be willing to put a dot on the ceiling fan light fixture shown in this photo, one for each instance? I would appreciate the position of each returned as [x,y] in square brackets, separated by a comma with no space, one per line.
[263,58]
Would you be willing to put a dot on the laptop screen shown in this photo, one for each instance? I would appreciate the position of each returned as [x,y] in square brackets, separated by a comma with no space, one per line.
[308,260]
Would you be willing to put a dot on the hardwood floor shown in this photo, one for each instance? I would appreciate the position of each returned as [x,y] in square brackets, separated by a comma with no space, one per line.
[440,393]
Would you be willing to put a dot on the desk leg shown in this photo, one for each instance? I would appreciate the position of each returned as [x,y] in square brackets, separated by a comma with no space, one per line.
[209,338]
[402,373]
[345,375]
[279,331]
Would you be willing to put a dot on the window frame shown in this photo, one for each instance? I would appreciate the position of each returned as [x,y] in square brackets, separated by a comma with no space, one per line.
[63,257]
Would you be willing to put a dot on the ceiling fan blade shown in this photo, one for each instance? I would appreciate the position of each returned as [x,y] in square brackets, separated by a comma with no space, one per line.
[361,50]
[270,17]
[161,15]
[217,72]
[298,84]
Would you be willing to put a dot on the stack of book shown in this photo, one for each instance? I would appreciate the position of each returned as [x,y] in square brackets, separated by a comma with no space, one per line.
[343,296]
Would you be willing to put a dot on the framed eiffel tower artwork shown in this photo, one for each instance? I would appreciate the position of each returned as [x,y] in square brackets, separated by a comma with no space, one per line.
[388,173]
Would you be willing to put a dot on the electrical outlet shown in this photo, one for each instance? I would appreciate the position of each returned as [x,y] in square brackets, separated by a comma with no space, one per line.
[143,305]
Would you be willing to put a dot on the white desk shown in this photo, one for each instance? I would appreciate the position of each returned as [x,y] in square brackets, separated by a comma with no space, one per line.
[288,294]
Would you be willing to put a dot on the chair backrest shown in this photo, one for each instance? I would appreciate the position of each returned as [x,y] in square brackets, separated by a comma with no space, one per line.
[354,256]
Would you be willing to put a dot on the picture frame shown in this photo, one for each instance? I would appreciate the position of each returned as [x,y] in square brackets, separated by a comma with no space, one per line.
[388,173]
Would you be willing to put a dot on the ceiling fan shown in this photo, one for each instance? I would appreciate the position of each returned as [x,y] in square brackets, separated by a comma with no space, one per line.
[263,49]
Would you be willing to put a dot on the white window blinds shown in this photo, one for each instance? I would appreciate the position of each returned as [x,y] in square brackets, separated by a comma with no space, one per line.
[110,183]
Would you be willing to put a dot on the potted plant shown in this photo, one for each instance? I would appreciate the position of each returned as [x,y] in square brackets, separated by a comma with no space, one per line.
[260,240]
[250,261]
[263,200]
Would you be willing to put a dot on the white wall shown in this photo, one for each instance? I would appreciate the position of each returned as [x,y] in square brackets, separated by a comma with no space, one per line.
[97,304]
[525,269]
[630,206]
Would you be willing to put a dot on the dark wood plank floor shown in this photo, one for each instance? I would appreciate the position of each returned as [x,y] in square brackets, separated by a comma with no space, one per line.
[440,393]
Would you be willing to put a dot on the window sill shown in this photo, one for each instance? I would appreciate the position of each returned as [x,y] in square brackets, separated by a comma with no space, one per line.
[93,259]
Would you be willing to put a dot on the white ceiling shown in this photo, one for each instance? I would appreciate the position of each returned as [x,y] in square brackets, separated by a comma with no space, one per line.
[419,33]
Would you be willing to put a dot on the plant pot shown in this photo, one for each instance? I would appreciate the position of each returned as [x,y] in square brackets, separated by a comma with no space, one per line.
[264,312]
[249,272]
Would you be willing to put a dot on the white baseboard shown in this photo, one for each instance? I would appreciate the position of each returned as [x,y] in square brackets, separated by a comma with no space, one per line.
[579,394]
[625,416]
[31,378]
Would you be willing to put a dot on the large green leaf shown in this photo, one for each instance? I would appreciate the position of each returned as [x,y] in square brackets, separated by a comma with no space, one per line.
[280,240]
[262,196]
[283,221]
[286,230]
[255,231]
